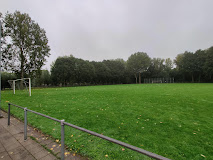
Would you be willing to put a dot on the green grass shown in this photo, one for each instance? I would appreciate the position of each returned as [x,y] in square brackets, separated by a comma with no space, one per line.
[173,120]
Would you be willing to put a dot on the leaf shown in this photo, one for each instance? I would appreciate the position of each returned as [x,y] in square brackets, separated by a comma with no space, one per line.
[203,155]
[66,153]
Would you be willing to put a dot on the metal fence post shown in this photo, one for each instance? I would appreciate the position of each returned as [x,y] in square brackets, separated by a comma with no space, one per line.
[62,139]
[25,123]
[8,114]
[0,69]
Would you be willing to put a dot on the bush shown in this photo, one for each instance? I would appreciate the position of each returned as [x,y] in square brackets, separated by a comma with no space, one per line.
[5,76]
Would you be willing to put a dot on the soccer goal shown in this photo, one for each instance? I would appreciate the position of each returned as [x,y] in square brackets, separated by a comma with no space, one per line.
[159,80]
[20,84]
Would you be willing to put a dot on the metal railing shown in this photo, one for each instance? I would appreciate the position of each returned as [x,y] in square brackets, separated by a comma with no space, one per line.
[62,123]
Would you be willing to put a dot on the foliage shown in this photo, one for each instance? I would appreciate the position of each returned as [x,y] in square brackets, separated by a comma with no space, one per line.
[84,71]
[70,70]
[156,68]
[4,79]
[168,66]
[189,67]
[44,79]
[62,70]
[117,70]
[200,60]
[208,66]
[102,73]
[26,47]
[196,66]
[173,120]
[187,64]
[138,63]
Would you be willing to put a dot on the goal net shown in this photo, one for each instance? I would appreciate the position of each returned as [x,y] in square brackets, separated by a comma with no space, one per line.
[159,80]
[21,84]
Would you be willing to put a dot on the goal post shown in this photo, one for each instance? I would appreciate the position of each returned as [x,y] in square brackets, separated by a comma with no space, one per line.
[23,80]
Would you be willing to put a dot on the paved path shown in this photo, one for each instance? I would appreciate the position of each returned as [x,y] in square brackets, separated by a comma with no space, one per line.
[13,146]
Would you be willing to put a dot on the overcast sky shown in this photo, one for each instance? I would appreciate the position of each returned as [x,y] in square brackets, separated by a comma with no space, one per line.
[110,29]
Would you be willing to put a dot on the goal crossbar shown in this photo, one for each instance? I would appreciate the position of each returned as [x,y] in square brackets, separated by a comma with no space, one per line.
[18,79]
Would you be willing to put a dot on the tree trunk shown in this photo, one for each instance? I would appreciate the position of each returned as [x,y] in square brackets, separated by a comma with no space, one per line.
[22,63]
[22,68]
[192,78]
[136,79]
[139,77]
[199,77]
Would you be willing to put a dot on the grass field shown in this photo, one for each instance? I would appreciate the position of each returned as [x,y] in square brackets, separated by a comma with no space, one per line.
[173,120]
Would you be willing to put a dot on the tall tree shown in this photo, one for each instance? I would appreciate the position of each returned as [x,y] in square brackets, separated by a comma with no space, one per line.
[186,64]
[26,47]
[168,65]
[63,70]
[117,70]
[156,67]
[138,63]
[200,60]
[102,73]
[84,71]
[43,79]
[209,63]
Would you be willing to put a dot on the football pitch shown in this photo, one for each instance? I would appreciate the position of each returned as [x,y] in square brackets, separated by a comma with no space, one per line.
[172,120]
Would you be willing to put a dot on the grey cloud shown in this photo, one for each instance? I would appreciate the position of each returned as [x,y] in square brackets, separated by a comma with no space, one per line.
[109,29]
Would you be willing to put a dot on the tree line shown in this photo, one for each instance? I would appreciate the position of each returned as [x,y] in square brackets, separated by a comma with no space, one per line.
[195,67]
[69,70]
[186,67]
[25,49]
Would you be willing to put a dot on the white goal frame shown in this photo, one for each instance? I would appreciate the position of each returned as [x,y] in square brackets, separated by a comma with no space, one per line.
[22,79]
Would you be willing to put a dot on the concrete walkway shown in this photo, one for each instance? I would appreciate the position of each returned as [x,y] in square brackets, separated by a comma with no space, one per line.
[37,146]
